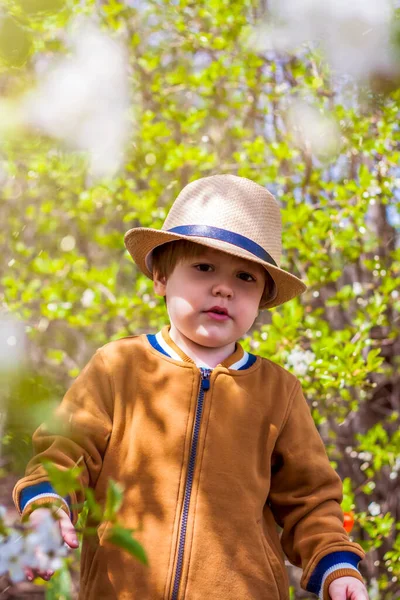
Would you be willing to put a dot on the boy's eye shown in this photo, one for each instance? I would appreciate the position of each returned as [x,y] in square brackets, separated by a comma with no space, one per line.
[203,267]
[246,277]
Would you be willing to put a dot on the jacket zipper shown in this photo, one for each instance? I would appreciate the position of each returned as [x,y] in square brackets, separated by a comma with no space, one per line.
[204,386]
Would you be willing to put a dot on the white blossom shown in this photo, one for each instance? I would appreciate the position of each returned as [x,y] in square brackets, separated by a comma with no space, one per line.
[83,98]
[300,360]
[355,36]
[40,548]
[374,593]
[67,243]
[12,557]
[315,131]
[12,343]
[374,509]
[87,298]
[365,456]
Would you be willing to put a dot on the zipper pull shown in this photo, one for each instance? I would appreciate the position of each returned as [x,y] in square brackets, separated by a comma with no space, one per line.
[205,378]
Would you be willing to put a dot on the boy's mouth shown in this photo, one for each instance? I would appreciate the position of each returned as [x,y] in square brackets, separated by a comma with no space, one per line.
[218,312]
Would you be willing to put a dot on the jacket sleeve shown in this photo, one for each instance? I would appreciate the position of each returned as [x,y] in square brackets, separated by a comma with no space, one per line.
[305,497]
[76,434]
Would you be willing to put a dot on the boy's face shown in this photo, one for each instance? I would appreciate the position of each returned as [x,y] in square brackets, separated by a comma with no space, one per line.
[213,299]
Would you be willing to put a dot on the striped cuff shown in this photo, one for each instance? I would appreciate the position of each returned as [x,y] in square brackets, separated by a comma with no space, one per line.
[338,567]
[41,493]
[346,572]
[329,564]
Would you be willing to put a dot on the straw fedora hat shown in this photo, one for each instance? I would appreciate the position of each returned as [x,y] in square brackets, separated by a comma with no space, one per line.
[227,213]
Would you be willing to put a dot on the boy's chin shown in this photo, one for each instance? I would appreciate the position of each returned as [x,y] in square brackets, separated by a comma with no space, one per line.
[211,340]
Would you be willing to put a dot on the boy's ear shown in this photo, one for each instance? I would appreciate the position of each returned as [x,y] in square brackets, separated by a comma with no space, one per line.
[160,284]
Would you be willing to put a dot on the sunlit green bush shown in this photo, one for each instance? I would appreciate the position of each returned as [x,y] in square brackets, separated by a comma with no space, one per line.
[205,100]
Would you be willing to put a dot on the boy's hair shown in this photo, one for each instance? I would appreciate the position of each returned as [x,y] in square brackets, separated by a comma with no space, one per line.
[166,257]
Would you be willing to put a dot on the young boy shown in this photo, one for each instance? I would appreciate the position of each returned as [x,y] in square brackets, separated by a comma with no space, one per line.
[214,446]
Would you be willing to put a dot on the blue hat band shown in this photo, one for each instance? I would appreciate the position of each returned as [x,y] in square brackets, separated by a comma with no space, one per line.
[224,235]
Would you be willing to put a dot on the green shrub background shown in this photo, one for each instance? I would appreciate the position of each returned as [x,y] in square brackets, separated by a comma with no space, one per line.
[204,102]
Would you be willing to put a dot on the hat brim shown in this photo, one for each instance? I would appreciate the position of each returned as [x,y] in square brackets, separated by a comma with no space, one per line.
[141,241]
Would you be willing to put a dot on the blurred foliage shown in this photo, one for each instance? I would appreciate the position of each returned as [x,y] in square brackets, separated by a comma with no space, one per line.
[204,103]
[94,514]
[60,585]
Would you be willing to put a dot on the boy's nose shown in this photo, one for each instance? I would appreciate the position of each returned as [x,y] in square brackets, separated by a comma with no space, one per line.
[223,290]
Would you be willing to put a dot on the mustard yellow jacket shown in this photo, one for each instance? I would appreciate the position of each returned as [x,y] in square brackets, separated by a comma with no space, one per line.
[210,463]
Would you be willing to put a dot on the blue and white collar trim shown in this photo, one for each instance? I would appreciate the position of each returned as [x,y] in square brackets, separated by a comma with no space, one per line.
[245,362]
[161,345]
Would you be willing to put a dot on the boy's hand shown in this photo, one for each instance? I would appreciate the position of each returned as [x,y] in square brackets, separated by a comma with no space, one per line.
[67,531]
[347,588]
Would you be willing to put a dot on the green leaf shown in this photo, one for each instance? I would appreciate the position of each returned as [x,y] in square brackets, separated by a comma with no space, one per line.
[64,481]
[348,495]
[121,537]
[33,7]
[115,495]
[94,509]
[15,42]
[60,585]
